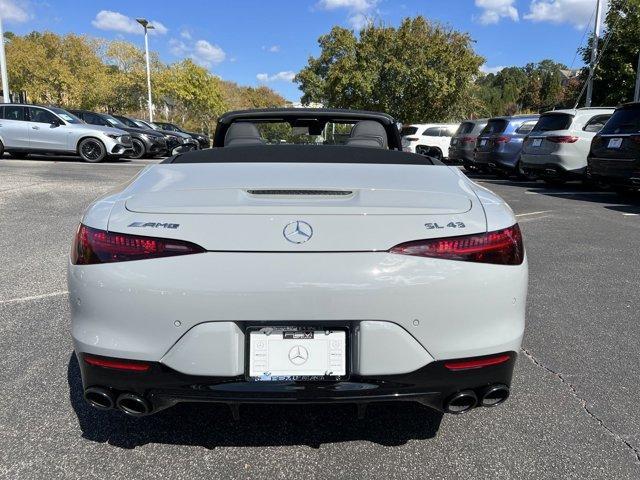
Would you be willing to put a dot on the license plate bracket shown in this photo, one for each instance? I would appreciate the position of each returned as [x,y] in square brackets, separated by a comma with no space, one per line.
[297,353]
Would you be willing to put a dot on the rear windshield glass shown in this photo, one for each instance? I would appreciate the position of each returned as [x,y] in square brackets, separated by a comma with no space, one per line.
[408,131]
[554,121]
[279,133]
[494,126]
[465,127]
[624,120]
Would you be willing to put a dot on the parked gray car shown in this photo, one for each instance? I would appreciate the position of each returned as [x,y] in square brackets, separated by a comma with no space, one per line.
[26,129]
[499,144]
[464,142]
[556,150]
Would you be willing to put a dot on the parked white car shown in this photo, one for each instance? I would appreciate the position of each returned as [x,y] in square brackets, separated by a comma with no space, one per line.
[556,149]
[26,129]
[431,139]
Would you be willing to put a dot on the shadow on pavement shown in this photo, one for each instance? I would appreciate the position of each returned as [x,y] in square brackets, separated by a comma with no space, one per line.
[211,425]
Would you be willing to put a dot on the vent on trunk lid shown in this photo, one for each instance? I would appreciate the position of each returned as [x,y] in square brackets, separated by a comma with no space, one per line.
[323,193]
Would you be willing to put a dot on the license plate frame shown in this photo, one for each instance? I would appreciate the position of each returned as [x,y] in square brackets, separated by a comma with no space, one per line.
[293,376]
[614,143]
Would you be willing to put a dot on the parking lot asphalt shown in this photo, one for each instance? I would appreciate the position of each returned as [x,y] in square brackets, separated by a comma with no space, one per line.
[573,411]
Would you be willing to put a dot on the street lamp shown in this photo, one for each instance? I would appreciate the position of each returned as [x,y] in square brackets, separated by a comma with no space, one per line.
[3,67]
[147,26]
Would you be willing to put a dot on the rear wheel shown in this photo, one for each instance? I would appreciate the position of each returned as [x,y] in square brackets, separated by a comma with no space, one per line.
[92,150]
[139,150]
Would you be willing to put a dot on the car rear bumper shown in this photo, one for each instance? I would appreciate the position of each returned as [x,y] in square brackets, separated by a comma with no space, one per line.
[551,170]
[432,385]
[615,171]
[461,155]
[496,159]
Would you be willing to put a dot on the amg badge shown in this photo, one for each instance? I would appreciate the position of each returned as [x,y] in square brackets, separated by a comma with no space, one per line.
[154,225]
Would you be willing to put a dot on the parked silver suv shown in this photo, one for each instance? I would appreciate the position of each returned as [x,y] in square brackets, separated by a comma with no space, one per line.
[26,129]
[556,149]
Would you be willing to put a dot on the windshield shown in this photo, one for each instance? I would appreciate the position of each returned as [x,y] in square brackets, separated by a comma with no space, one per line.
[66,116]
[113,121]
[623,120]
[494,126]
[279,133]
[408,131]
[465,127]
[128,122]
[141,124]
[553,121]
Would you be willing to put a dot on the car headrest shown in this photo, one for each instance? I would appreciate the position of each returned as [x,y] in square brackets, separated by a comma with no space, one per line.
[242,133]
[368,133]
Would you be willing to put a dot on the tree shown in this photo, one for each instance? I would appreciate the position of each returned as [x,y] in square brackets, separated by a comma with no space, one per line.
[615,76]
[416,72]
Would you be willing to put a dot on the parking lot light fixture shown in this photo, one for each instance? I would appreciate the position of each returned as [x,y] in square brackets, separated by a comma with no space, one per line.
[3,67]
[147,26]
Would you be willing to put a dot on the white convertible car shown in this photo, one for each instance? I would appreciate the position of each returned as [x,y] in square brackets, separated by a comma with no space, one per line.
[305,258]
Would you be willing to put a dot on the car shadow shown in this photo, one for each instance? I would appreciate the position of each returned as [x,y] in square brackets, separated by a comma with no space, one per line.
[64,158]
[211,425]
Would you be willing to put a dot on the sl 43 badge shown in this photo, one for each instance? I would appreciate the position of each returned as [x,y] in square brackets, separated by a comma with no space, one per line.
[431,226]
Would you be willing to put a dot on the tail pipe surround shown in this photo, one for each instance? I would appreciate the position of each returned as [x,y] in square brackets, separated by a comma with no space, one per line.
[461,402]
[494,395]
[133,404]
[100,398]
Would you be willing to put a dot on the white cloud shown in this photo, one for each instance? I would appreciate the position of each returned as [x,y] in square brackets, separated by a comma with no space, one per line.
[12,12]
[360,11]
[494,10]
[116,21]
[574,12]
[201,52]
[207,54]
[185,34]
[485,69]
[284,76]
[271,49]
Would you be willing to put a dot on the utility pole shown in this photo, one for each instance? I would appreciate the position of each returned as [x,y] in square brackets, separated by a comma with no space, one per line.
[594,55]
[636,95]
[3,67]
[147,26]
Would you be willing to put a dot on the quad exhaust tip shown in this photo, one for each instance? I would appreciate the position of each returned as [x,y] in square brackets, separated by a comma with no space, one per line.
[494,395]
[133,404]
[461,402]
[99,398]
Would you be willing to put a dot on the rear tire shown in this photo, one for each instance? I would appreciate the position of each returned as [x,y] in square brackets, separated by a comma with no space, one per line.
[92,150]
[139,149]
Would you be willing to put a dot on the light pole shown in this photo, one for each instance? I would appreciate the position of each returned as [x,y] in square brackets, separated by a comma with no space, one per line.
[594,55]
[147,26]
[3,67]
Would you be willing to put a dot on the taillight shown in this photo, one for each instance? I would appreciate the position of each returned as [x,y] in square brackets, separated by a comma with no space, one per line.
[562,139]
[502,139]
[473,363]
[93,246]
[468,139]
[117,363]
[635,138]
[502,247]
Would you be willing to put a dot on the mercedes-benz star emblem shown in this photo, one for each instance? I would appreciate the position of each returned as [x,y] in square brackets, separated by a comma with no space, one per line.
[298,355]
[297,232]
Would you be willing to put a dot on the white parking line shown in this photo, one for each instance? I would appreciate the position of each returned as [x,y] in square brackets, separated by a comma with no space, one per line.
[533,213]
[530,192]
[34,297]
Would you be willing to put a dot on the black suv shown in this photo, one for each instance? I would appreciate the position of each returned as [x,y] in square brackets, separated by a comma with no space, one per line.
[202,139]
[145,143]
[614,157]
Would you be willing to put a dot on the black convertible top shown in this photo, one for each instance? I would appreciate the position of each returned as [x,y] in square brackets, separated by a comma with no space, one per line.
[301,154]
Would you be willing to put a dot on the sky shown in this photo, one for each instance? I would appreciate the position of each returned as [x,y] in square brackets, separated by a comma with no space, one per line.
[260,42]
